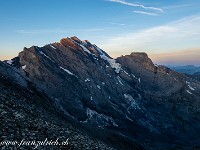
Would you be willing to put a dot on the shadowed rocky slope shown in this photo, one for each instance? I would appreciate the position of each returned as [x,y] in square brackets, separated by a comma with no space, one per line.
[129,102]
[29,114]
[195,76]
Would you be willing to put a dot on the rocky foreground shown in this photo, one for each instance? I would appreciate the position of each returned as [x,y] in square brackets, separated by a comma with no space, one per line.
[28,114]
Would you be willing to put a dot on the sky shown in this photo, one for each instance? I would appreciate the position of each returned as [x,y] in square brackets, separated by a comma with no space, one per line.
[167,30]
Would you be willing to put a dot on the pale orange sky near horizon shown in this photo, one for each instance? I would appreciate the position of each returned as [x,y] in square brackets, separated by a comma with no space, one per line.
[184,57]
[7,56]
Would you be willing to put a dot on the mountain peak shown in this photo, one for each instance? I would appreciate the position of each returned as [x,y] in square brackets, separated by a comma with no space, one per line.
[86,41]
[139,59]
[68,42]
[74,38]
[139,54]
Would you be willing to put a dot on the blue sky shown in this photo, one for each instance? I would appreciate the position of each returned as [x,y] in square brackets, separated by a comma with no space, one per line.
[168,30]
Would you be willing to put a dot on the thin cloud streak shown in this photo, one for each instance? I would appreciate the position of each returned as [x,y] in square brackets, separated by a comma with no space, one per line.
[120,24]
[184,33]
[136,5]
[145,13]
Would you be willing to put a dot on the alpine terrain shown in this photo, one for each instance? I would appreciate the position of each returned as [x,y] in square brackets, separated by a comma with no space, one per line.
[73,89]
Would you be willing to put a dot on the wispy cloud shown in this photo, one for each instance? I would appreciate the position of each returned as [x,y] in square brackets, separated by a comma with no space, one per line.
[183,33]
[120,24]
[145,13]
[136,5]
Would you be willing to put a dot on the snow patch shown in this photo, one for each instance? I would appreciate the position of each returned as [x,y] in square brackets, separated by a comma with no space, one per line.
[69,72]
[187,82]
[91,98]
[103,83]
[85,49]
[156,65]
[128,118]
[98,87]
[191,88]
[24,67]
[84,42]
[126,73]
[133,75]
[98,49]
[44,55]
[133,103]
[111,61]
[188,91]
[87,80]
[109,75]
[119,80]
[10,62]
[52,46]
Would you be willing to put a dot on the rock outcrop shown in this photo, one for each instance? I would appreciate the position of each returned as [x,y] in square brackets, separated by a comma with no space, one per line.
[155,80]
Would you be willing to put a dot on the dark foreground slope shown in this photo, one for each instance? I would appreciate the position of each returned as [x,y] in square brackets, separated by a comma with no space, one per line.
[127,102]
[28,114]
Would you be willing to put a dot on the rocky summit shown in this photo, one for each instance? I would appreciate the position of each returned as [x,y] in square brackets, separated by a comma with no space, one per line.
[74,89]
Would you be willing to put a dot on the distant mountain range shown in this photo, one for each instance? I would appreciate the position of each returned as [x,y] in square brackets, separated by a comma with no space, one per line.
[189,69]
[73,89]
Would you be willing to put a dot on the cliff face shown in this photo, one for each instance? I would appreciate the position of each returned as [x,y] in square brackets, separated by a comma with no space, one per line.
[137,104]
[158,81]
